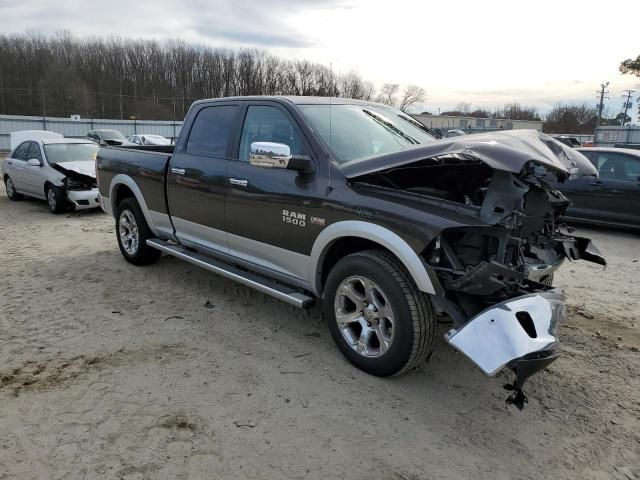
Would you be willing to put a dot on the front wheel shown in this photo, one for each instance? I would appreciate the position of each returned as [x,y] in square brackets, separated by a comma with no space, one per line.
[377,316]
[56,199]
[12,193]
[133,232]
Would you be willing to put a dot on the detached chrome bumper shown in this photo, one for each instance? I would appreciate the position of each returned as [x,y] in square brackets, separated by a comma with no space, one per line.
[519,333]
[82,199]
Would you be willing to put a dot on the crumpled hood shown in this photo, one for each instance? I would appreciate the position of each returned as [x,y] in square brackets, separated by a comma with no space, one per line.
[507,150]
[87,167]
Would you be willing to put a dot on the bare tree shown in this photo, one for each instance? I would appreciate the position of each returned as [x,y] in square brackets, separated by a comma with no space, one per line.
[573,118]
[463,107]
[388,94]
[412,96]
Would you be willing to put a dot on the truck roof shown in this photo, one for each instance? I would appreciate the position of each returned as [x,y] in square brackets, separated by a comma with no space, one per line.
[298,100]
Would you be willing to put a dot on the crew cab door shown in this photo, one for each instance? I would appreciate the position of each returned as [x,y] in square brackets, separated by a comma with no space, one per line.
[196,177]
[268,209]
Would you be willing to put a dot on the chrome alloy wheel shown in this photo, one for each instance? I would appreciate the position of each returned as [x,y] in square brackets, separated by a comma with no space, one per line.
[51,199]
[364,316]
[128,231]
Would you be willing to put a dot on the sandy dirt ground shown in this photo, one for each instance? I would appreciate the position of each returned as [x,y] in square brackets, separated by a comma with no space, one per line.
[113,371]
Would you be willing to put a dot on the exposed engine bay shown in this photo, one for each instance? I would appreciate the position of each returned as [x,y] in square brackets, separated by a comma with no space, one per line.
[506,264]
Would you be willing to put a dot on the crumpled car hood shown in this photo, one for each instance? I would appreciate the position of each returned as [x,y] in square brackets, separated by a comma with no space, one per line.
[508,151]
[87,168]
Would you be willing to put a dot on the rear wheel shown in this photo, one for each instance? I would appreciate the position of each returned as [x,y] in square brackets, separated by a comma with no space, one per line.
[133,232]
[12,193]
[377,316]
[56,199]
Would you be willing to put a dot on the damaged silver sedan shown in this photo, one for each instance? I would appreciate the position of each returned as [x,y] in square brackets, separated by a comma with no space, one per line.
[48,166]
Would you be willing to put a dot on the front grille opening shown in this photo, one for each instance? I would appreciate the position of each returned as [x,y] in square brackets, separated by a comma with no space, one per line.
[83,202]
[526,322]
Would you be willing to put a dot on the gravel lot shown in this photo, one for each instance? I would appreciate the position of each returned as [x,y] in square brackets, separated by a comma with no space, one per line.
[113,371]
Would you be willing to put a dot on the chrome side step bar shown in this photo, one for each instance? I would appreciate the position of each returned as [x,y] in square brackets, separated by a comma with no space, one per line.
[257,282]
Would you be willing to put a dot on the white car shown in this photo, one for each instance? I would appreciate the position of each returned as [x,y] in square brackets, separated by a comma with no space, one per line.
[148,139]
[48,166]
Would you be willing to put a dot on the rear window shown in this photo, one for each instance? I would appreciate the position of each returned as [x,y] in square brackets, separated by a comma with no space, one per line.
[211,131]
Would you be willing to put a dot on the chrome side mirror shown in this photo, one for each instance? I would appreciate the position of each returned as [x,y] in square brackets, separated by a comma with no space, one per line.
[278,155]
[34,162]
[269,155]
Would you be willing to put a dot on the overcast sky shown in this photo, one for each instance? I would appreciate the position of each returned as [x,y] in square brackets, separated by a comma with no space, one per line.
[484,52]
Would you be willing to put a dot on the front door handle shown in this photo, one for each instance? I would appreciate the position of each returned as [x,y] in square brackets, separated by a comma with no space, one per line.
[241,182]
[178,171]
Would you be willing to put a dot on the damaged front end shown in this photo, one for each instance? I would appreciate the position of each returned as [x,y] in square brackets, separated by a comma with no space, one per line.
[80,185]
[495,277]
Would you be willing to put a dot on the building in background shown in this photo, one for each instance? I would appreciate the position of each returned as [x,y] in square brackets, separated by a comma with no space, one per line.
[474,124]
[628,136]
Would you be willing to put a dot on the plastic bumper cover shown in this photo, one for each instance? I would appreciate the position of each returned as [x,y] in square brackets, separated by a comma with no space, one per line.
[82,199]
[519,333]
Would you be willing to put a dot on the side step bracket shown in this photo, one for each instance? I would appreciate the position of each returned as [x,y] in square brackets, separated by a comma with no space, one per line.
[249,279]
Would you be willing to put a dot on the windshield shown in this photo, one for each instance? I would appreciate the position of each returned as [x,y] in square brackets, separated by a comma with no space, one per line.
[111,135]
[354,132]
[70,152]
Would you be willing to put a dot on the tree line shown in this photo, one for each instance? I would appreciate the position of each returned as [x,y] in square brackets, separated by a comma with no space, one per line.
[122,78]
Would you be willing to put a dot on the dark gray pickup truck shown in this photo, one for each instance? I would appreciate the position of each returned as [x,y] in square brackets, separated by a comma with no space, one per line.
[358,205]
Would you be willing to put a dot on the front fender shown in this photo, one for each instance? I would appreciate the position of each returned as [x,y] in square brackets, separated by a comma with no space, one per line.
[375,233]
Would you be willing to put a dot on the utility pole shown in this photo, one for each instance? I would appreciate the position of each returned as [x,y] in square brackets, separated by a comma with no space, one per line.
[602,92]
[44,108]
[626,106]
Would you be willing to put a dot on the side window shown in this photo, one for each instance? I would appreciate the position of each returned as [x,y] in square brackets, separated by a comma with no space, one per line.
[632,166]
[617,166]
[211,131]
[34,152]
[268,124]
[22,151]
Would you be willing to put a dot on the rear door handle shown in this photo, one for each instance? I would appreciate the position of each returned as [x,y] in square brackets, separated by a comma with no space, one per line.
[9,163]
[178,171]
[241,182]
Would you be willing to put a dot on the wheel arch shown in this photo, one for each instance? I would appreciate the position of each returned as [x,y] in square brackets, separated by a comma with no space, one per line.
[123,186]
[350,236]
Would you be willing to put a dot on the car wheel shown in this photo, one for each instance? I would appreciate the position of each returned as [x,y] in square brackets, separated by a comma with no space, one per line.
[548,280]
[377,316]
[12,193]
[133,232]
[56,199]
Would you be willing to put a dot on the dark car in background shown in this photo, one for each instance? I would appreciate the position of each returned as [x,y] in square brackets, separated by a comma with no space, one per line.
[104,137]
[612,199]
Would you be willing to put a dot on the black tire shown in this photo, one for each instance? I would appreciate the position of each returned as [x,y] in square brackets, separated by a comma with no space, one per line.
[413,317]
[12,194]
[56,199]
[130,218]
[548,281]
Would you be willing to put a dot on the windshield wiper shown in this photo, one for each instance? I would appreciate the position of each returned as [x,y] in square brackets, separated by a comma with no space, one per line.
[391,127]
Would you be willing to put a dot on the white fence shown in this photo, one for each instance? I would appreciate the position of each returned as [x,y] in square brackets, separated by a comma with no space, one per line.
[79,128]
